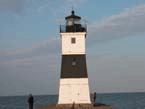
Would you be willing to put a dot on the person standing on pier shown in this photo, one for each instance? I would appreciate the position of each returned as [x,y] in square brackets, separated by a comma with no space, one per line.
[30,101]
[94,96]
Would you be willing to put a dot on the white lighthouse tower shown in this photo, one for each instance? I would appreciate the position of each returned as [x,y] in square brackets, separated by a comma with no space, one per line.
[74,84]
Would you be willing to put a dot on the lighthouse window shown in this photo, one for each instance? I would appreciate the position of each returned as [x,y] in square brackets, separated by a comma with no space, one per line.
[77,22]
[73,61]
[69,22]
[73,40]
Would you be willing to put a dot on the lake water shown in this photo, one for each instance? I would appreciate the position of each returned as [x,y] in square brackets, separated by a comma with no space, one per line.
[119,100]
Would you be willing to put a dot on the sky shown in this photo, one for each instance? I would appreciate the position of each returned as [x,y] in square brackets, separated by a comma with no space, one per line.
[30,47]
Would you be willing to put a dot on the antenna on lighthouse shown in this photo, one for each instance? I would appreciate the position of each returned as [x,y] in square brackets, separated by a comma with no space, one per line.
[72,7]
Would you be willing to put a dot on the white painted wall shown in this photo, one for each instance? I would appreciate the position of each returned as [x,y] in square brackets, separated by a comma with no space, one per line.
[78,47]
[74,90]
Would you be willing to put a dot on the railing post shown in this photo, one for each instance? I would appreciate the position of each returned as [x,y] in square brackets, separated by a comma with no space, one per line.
[64,28]
[86,27]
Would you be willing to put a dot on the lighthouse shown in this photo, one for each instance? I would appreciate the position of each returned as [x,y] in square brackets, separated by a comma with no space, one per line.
[74,83]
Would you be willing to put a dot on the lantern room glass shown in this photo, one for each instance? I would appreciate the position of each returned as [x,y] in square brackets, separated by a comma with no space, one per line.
[72,21]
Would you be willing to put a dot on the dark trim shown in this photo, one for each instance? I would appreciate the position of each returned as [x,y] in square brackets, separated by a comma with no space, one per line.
[73,16]
[73,28]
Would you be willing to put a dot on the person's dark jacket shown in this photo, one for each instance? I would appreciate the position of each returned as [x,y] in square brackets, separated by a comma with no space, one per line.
[94,95]
[30,100]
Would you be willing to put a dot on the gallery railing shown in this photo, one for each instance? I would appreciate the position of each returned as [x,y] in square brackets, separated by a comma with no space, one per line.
[73,28]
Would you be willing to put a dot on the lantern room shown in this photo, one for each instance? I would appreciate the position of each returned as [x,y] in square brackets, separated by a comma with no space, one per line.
[73,24]
[72,19]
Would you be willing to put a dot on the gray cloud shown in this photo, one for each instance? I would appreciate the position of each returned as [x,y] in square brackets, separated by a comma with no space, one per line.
[44,48]
[39,6]
[127,23]
[12,5]
[54,8]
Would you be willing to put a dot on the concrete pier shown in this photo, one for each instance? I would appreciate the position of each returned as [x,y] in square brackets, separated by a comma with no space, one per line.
[76,106]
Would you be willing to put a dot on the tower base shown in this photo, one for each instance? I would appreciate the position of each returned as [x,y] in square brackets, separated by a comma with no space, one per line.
[74,90]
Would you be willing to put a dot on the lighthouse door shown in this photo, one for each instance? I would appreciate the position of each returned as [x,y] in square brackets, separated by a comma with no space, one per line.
[75,94]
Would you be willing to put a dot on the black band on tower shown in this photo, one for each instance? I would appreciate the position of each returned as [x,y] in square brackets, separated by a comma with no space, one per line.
[74,66]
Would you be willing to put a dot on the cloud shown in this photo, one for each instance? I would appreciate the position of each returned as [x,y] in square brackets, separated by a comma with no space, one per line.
[56,8]
[45,43]
[128,23]
[53,7]
[12,5]
[43,48]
